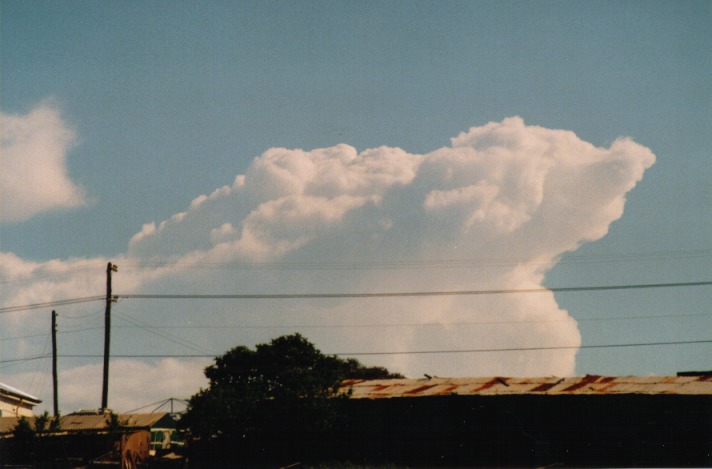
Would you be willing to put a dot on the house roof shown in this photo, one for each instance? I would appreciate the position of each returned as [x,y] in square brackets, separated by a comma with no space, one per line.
[493,386]
[17,394]
[84,421]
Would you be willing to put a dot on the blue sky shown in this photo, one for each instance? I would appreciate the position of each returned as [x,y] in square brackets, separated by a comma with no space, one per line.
[171,100]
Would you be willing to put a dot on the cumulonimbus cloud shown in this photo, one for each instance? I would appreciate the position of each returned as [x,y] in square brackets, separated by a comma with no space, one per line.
[33,167]
[503,189]
[493,210]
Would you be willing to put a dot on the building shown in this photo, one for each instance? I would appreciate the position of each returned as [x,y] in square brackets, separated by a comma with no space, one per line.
[93,437]
[500,421]
[15,403]
[585,421]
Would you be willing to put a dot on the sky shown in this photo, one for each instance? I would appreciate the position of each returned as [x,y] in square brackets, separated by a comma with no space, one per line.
[338,149]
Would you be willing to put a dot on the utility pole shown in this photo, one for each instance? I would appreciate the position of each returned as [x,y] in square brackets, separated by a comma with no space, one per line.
[107,335]
[54,363]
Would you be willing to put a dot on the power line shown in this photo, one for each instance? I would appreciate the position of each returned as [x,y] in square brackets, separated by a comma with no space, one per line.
[529,349]
[427,324]
[160,404]
[169,337]
[424,352]
[504,261]
[296,296]
[139,355]
[429,263]
[152,328]
[25,359]
[45,273]
[84,329]
[25,337]
[412,352]
[47,304]
[81,316]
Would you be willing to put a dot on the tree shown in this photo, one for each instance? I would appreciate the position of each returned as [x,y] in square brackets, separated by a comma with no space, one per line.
[353,369]
[23,441]
[284,386]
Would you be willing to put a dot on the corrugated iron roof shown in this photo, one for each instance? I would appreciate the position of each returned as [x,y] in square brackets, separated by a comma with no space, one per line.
[8,424]
[494,386]
[141,420]
[100,421]
[90,421]
[84,421]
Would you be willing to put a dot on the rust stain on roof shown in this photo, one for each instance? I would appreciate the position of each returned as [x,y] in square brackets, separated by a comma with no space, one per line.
[544,387]
[380,388]
[420,389]
[586,380]
[488,384]
[449,390]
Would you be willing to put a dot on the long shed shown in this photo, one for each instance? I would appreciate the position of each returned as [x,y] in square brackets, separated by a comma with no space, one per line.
[502,421]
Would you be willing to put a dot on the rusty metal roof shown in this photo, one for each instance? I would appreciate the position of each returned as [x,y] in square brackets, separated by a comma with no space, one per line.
[495,386]
[90,421]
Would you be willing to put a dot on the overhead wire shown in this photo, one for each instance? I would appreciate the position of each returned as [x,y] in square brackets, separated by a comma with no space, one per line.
[356,295]
[82,316]
[4,363]
[428,324]
[159,403]
[48,304]
[293,296]
[154,328]
[278,296]
[169,337]
[31,336]
[21,360]
[84,329]
[529,349]
[43,272]
[422,352]
[41,370]
[428,263]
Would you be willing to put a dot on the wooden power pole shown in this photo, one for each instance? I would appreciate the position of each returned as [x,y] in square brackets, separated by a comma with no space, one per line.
[54,363]
[107,335]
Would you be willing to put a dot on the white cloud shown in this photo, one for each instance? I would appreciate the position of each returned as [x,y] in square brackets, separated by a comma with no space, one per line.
[500,189]
[34,177]
[129,378]
[133,384]
[383,220]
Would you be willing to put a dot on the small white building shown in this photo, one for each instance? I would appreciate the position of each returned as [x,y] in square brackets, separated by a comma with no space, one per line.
[15,403]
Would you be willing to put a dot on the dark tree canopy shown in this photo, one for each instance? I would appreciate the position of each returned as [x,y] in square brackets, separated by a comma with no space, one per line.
[285,385]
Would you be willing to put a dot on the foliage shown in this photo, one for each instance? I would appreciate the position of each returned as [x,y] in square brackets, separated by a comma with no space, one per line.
[24,430]
[113,423]
[43,423]
[287,385]
[353,369]
[23,442]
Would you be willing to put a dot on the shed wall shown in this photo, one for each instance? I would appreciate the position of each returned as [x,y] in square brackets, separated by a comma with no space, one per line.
[524,430]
